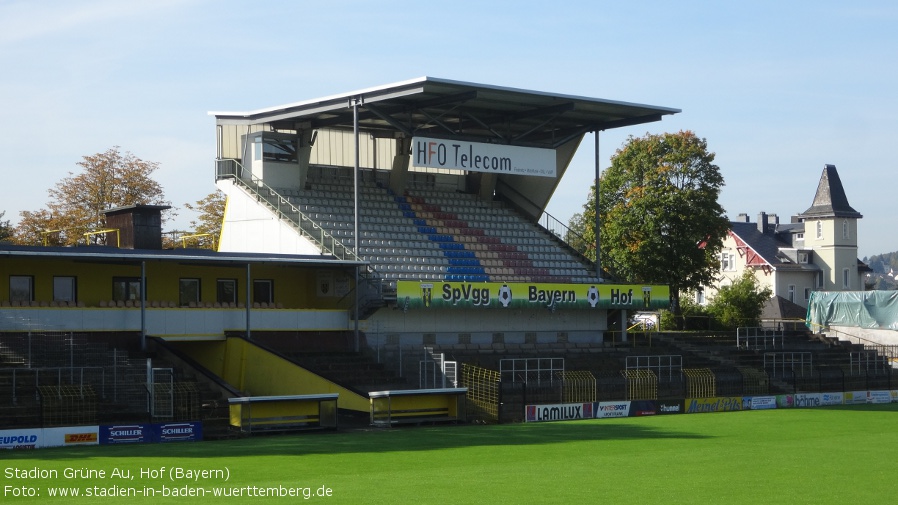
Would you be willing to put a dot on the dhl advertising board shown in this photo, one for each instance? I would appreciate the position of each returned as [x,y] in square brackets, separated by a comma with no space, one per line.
[438,295]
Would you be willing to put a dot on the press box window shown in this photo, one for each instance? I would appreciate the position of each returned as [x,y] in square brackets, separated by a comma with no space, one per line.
[188,292]
[64,289]
[226,291]
[267,148]
[21,288]
[125,288]
[263,291]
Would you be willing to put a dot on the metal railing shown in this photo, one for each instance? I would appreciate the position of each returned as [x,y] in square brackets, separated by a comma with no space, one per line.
[305,225]
[758,338]
[283,208]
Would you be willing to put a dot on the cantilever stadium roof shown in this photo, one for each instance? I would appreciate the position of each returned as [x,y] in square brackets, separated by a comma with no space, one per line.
[428,106]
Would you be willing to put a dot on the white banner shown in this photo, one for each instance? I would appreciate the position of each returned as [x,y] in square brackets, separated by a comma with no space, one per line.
[759,402]
[558,412]
[879,396]
[855,397]
[612,409]
[21,439]
[76,435]
[831,398]
[479,157]
[807,400]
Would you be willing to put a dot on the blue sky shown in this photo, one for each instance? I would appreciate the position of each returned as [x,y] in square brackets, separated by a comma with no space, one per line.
[778,89]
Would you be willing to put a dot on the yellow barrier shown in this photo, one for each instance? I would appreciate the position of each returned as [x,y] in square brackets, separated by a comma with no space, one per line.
[700,383]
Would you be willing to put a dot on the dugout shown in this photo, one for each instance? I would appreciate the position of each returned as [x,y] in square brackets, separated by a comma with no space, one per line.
[415,406]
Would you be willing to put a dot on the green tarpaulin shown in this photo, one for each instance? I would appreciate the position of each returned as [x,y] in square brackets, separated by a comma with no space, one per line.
[863,309]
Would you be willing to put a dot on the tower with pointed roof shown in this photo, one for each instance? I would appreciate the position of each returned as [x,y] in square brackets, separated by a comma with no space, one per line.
[830,230]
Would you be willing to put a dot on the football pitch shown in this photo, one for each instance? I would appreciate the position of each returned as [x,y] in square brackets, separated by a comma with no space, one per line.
[822,455]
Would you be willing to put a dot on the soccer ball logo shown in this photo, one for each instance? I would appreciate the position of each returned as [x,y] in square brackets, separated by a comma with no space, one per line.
[505,295]
[592,296]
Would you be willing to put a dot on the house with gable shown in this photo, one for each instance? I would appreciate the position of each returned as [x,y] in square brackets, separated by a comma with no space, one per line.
[816,250]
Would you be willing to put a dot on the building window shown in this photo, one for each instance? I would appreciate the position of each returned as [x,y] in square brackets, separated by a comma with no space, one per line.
[803,257]
[819,279]
[21,288]
[807,294]
[727,262]
[792,293]
[846,279]
[263,291]
[226,291]
[64,289]
[819,229]
[799,236]
[846,230]
[700,296]
[188,292]
[125,288]
[275,149]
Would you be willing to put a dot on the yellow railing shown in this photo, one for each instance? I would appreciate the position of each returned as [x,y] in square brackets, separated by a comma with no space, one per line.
[185,238]
[118,236]
[641,384]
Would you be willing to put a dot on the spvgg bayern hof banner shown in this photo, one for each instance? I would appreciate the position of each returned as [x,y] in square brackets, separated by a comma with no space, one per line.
[437,294]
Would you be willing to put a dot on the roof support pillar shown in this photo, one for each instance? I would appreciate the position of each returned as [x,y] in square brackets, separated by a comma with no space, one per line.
[355,206]
[143,305]
[598,168]
[249,299]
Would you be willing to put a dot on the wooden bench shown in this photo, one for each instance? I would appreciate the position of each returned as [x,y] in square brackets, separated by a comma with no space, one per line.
[284,413]
[415,406]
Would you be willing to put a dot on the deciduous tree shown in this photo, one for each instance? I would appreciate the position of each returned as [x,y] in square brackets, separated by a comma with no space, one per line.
[660,220]
[107,180]
[5,228]
[740,303]
[211,214]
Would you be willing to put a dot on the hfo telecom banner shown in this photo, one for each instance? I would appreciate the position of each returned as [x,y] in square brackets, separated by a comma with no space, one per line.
[437,295]
[479,157]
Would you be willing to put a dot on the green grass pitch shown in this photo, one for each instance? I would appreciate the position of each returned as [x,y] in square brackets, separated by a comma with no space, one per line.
[824,455]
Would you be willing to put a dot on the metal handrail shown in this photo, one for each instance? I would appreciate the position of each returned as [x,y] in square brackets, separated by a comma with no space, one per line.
[239,175]
[233,169]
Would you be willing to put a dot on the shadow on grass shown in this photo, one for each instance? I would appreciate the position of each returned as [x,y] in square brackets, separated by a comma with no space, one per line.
[376,440]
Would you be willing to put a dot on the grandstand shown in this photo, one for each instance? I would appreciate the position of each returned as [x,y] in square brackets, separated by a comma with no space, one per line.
[428,234]
[350,263]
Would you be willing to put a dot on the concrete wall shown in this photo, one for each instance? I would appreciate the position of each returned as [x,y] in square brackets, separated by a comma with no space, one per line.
[864,335]
[170,322]
[251,227]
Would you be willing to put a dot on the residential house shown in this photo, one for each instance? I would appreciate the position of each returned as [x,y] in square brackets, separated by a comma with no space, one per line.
[816,250]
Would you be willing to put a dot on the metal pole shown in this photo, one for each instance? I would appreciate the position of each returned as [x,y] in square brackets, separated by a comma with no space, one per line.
[355,224]
[597,223]
[249,292]
[143,305]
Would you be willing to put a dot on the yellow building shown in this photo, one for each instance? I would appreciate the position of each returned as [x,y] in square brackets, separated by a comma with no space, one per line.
[816,250]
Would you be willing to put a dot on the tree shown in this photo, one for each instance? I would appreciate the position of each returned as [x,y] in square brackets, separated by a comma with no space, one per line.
[211,214]
[108,180]
[740,303]
[659,213]
[5,228]
[574,236]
